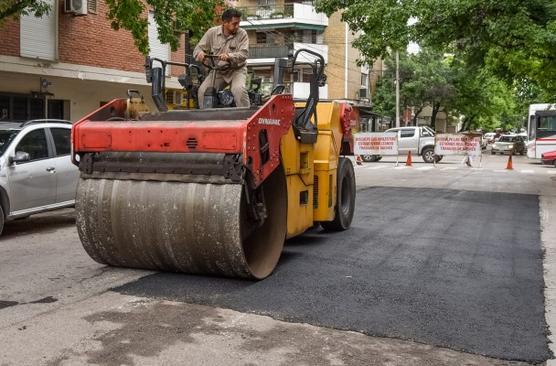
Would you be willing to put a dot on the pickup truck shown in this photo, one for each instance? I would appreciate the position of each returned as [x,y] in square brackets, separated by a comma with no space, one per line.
[418,140]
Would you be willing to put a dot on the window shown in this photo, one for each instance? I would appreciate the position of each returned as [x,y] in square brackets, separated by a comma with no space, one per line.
[261,38]
[4,108]
[34,143]
[547,123]
[156,47]
[6,136]
[23,107]
[62,140]
[92,6]
[364,80]
[38,35]
[407,133]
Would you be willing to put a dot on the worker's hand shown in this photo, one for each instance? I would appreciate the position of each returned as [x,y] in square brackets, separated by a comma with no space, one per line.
[200,56]
[224,57]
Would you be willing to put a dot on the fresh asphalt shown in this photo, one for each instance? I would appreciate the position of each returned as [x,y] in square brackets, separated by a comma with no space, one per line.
[453,268]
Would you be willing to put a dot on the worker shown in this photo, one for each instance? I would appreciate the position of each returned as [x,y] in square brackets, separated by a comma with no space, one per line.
[231,44]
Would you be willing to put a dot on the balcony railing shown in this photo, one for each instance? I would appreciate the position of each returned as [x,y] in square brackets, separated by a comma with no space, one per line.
[264,51]
[267,12]
[303,14]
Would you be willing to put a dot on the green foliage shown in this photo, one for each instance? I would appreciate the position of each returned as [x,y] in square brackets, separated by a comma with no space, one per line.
[514,38]
[173,17]
[426,79]
[15,8]
[447,83]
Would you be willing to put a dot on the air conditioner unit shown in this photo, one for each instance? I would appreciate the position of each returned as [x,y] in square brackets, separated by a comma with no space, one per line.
[77,7]
[362,93]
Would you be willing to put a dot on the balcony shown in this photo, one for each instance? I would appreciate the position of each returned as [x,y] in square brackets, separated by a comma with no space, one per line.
[302,16]
[262,54]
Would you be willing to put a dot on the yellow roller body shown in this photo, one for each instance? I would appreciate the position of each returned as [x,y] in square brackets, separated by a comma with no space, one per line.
[311,168]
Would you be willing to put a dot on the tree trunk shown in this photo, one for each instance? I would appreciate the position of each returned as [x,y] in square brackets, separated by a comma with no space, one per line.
[435,109]
[416,114]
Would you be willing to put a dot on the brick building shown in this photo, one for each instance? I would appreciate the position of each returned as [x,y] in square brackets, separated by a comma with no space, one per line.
[65,65]
[277,27]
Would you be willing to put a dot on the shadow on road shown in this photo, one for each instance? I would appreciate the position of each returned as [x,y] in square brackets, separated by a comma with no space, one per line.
[41,223]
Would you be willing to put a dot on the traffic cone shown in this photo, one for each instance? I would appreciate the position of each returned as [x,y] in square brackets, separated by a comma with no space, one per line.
[409,161]
[510,165]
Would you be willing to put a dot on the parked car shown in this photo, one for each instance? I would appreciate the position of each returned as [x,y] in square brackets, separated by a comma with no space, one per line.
[36,172]
[549,158]
[418,140]
[509,144]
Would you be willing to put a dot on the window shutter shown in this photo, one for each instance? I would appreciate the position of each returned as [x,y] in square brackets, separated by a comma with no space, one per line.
[92,6]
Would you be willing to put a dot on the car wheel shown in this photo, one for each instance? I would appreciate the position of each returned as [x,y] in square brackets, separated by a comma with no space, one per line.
[2,219]
[554,162]
[428,155]
[492,152]
[345,200]
[366,158]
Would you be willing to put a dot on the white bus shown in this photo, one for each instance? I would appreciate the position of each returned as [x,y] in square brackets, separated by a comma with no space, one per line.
[541,130]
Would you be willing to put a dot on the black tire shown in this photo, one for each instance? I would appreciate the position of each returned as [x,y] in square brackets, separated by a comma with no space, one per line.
[2,219]
[370,158]
[492,153]
[345,202]
[438,158]
[428,155]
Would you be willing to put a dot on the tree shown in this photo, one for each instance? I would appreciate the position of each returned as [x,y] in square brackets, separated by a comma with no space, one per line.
[173,17]
[516,38]
[9,8]
[426,79]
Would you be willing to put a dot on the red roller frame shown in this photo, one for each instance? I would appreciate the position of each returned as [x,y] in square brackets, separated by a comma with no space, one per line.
[94,133]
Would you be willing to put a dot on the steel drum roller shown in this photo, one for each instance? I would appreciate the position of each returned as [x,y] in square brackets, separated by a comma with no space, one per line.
[198,228]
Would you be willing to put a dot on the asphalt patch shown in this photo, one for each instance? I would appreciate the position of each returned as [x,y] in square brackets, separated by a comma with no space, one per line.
[457,269]
[7,304]
[45,300]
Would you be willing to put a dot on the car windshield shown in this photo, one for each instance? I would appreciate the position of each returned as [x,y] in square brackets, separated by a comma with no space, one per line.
[508,139]
[6,136]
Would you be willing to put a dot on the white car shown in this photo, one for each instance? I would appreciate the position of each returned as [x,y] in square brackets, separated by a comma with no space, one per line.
[513,144]
[36,172]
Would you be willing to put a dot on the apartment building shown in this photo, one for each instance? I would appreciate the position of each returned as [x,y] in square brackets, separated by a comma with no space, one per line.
[70,62]
[279,27]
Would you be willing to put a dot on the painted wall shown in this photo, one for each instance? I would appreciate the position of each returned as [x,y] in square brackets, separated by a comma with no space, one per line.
[84,95]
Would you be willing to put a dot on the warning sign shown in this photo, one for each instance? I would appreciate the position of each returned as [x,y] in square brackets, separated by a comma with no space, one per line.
[457,144]
[376,143]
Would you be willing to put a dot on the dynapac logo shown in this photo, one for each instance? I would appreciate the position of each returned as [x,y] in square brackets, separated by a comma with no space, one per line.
[269,121]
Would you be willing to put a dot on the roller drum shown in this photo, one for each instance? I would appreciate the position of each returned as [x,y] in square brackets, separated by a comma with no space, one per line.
[194,228]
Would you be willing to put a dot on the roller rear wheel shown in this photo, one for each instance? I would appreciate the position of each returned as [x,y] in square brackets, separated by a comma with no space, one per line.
[345,203]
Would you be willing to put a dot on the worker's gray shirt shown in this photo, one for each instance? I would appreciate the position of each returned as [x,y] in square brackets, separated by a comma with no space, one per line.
[236,45]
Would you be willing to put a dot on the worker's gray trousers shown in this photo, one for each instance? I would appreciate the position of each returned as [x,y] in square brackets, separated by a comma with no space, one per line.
[237,86]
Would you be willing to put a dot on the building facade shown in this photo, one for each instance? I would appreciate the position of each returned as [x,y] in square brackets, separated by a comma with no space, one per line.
[69,62]
[277,28]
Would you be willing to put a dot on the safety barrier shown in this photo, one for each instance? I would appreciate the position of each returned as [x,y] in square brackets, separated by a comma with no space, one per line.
[387,144]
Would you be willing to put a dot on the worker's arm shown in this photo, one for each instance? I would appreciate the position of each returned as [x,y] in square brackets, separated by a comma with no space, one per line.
[240,54]
[202,47]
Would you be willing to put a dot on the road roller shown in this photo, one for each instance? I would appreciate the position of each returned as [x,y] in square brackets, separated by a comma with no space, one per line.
[213,191]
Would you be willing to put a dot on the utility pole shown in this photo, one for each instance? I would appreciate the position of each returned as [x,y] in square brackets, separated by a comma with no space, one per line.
[397,89]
